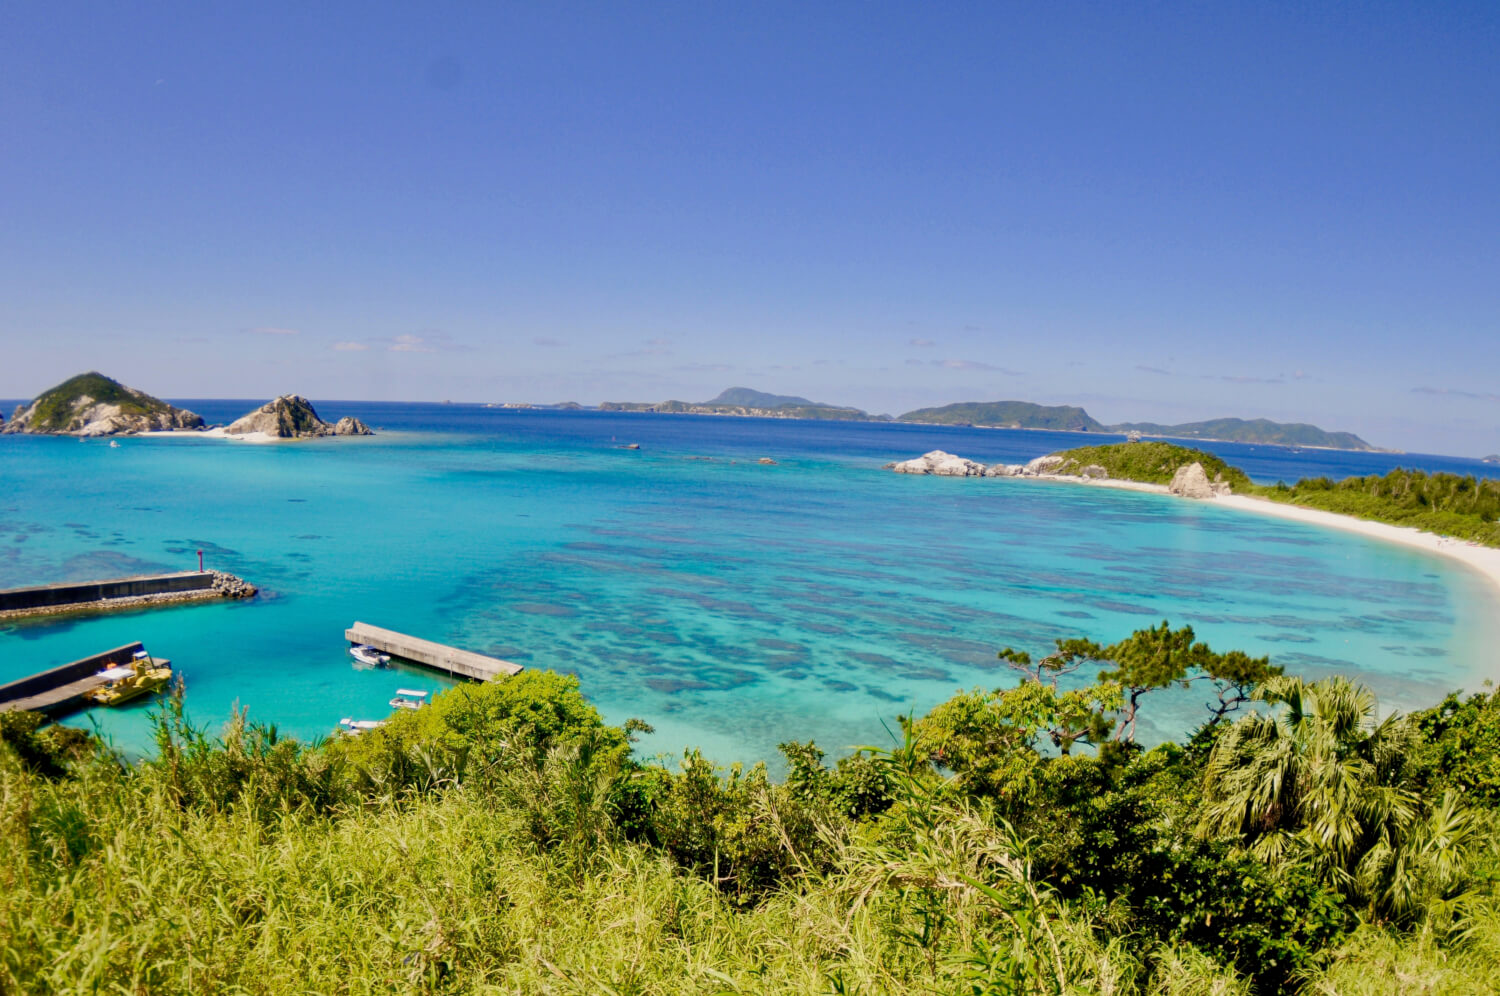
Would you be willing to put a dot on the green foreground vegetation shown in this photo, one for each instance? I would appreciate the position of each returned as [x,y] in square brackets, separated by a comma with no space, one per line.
[1016,840]
[1464,507]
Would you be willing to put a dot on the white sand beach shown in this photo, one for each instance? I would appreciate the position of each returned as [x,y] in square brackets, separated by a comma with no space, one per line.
[1484,559]
[214,433]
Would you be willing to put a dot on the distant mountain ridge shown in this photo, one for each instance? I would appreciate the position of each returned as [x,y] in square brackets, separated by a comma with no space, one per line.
[744,401]
[747,398]
[1008,415]
[1003,415]
[1025,415]
[1260,430]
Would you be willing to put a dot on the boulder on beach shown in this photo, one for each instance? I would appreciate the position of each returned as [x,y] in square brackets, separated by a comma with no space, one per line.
[1191,481]
[92,404]
[1043,465]
[292,416]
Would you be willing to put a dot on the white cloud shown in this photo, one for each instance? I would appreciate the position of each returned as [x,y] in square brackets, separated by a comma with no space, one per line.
[974,365]
[407,342]
[349,346]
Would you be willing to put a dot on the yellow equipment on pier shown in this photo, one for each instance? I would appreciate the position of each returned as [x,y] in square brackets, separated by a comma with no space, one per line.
[142,676]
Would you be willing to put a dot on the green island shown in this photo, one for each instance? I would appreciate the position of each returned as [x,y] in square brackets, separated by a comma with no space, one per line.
[91,403]
[1008,414]
[53,408]
[1013,840]
[1149,463]
[1259,430]
[1026,415]
[1460,506]
[744,401]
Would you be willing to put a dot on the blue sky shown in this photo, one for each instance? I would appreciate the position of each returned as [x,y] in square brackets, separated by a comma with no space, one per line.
[1160,211]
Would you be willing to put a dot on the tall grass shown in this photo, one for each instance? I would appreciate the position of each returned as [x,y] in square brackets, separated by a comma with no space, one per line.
[247,864]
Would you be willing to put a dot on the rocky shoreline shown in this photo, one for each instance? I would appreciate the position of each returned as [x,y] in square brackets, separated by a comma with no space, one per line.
[225,586]
[1190,480]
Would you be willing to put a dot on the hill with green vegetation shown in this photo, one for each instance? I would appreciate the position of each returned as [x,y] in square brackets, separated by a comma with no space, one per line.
[1013,841]
[1149,463]
[747,398]
[93,404]
[1465,507]
[746,402]
[1260,430]
[1007,415]
[1026,415]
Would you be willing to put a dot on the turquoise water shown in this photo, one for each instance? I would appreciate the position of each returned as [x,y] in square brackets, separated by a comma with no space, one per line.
[731,605]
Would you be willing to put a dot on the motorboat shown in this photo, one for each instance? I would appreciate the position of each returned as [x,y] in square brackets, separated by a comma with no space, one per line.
[408,698]
[354,727]
[127,682]
[369,656]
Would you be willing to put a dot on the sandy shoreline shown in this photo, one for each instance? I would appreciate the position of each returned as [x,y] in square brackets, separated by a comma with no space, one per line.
[1484,559]
[215,433]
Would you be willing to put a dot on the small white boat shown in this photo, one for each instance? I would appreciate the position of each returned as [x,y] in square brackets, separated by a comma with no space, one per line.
[369,656]
[408,698]
[354,727]
[114,445]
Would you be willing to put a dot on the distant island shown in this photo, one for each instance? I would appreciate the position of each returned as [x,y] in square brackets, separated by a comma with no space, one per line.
[744,402]
[1492,458]
[1260,430]
[1443,504]
[1008,415]
[292,416]
[1004,415]
[1025,415]
[92,404]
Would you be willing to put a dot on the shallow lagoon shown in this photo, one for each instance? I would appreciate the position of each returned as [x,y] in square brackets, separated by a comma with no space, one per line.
[730,604]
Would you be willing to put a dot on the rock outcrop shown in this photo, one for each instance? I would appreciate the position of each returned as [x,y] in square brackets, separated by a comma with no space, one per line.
[351,426]
[941,464]
[292,416]
[92,404]
[1191,481]
[1042,465]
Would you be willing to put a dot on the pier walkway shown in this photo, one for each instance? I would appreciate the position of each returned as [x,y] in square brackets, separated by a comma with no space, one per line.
[460,663]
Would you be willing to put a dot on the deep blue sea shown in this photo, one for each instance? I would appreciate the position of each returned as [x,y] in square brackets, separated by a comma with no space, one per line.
[730,604]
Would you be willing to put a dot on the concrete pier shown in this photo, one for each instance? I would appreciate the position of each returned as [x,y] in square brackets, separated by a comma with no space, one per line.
[121,593]
[60,691]
[460,663]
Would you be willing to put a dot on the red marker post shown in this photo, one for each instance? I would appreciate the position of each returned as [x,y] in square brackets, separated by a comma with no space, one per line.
[200,561]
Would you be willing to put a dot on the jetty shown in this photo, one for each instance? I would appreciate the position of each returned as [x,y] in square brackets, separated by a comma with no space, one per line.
[61,690]
[451,660]
[137,591]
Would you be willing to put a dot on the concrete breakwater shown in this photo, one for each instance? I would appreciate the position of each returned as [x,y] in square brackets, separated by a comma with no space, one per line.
[122,593]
